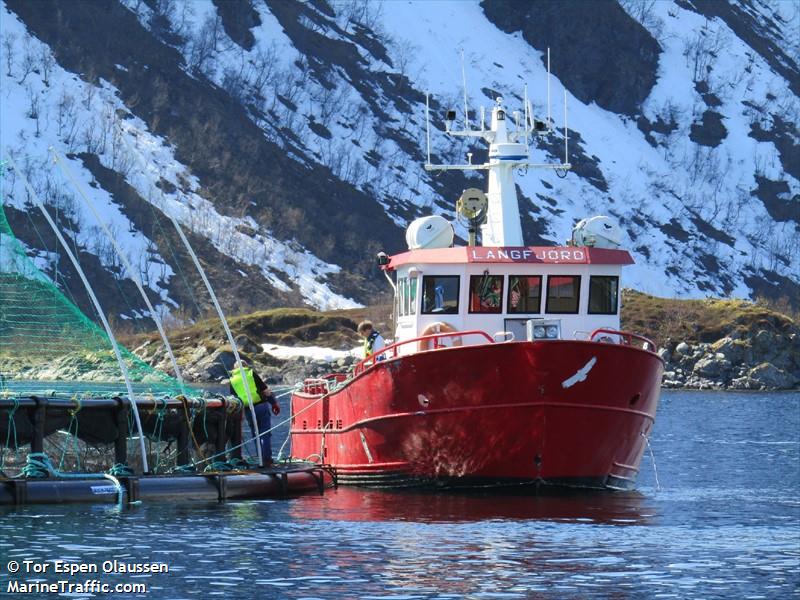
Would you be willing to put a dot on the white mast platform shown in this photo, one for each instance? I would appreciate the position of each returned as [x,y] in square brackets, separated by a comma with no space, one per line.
[508,149]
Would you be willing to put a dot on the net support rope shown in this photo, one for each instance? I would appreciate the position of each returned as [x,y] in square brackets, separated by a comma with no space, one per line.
[140,161]
[131,272]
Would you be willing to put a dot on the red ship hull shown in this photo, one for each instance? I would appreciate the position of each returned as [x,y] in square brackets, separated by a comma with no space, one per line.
[566,413]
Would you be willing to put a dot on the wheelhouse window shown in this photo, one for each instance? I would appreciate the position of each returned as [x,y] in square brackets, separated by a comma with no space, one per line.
[440,294]
[402,285]
[406,296]
[563,294]
[486,294]
[603,295]
[524,294]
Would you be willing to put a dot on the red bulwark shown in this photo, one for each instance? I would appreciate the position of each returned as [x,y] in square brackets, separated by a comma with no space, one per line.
[557,412]
[553,255]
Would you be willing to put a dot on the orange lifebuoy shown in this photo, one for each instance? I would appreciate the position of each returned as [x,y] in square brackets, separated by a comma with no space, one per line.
[438,327]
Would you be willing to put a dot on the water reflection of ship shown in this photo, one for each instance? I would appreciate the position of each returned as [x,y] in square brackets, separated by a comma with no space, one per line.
[347,504]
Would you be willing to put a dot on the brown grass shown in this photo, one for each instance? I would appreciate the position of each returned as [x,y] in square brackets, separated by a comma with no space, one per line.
[285,326]
[661,319]
[694,321]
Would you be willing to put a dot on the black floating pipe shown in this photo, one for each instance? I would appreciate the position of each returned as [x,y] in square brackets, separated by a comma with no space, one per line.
[275,484]
[110,402]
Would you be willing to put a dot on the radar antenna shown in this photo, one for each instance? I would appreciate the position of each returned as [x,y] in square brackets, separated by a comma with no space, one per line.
[509,150]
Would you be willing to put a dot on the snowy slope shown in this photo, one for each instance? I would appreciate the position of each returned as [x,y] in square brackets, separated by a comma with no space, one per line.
[58,113]
[678,180]
[706,210]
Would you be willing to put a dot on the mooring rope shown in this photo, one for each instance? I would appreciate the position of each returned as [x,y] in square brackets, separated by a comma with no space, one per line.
[289,433]
[120,470]
[331,388]
[39,466]
[217,465]
[74,436]
[190,422]
[12,426]
[158,426]
[653,460]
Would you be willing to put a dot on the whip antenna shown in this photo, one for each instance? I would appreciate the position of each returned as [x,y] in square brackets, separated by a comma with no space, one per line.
[566,133]
[428,124]
[527,116]
[464,81]
[549,117]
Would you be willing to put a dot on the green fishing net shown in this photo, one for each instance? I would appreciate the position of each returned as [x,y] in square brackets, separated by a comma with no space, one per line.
[46,342]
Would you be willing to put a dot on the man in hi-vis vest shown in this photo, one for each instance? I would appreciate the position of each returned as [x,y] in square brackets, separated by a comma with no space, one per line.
[373,340]
[261,395]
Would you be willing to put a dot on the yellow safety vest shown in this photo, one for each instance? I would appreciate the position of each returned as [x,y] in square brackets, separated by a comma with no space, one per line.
[238,385]
[369,341]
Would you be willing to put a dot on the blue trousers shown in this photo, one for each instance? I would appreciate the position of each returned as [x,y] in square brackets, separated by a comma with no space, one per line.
[264,422]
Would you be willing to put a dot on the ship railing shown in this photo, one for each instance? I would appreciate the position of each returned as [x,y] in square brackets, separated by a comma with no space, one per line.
[434,341]
[322,385]
[625,338]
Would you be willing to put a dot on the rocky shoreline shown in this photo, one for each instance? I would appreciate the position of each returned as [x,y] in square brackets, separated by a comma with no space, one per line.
[205,364]
[711,344]
[765,361]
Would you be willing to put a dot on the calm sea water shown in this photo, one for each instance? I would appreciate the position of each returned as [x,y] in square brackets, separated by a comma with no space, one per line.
[721,519]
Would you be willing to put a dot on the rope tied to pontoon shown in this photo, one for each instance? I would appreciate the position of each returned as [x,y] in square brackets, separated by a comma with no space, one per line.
[39,466]
[73,420]
[12,427]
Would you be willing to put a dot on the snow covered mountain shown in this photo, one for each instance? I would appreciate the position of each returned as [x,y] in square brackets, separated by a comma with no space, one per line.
[287,138]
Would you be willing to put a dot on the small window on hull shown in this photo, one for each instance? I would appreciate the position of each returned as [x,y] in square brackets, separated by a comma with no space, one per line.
[486,294]
[524,294]
[603,295]
[563,294]
[440,294]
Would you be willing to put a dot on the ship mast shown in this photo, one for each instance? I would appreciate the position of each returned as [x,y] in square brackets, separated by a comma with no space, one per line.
[508,138]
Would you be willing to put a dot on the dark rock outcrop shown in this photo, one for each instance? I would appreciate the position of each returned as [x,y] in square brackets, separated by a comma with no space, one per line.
[776,199]
[709,131]
[767,361]
[597,50]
